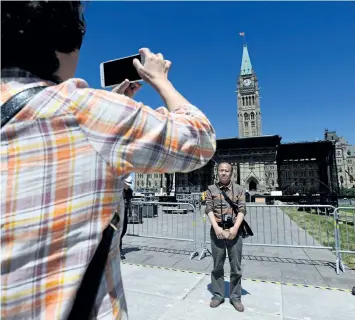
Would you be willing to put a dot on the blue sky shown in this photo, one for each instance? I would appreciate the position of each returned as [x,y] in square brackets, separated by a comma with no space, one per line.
[303,54]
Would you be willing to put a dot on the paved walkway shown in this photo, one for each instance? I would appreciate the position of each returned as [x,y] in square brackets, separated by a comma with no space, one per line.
[161,294]
[270,225]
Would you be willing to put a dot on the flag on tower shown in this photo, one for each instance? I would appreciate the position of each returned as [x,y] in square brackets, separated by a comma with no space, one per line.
[242,34]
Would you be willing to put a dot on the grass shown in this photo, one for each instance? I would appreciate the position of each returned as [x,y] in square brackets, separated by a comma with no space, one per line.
[321,228]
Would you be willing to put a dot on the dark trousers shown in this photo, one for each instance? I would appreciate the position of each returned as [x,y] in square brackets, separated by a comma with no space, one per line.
[234,248]
[127,211]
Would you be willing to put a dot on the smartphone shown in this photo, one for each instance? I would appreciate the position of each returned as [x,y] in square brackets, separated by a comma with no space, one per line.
[114,72]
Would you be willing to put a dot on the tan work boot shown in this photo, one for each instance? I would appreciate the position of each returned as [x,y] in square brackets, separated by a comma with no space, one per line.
[216,302]
[237,305]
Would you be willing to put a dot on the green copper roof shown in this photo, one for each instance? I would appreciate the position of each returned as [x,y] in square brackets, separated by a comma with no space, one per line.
[246,67]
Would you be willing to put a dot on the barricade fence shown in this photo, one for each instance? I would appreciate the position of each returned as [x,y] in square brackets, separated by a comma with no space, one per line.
[345,240]
[288,226]
[164,220]
[283,226]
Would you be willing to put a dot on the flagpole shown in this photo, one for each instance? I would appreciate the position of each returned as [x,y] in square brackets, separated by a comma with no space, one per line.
[242,34]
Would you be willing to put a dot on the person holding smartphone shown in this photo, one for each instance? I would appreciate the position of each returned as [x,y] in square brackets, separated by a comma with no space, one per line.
[64,156]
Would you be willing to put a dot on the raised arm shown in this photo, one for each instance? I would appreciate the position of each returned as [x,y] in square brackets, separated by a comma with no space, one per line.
[132,137]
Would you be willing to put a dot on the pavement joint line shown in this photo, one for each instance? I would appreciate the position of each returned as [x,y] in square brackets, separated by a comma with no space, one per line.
[254,280]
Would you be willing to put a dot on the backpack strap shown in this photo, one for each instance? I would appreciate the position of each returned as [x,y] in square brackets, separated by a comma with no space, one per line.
[17,102]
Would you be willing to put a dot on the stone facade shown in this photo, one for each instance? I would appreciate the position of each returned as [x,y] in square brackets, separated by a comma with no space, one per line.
[300,176]
[152,181]
[345,159]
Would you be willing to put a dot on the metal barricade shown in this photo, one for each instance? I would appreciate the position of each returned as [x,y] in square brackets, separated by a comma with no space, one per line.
[164,220]
[345,237]
[289,226]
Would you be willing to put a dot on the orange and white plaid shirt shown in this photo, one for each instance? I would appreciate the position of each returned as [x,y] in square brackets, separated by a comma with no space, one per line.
[63,161]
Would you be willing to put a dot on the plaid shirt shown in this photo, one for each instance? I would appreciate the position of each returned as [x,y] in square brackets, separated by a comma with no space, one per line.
[63,161]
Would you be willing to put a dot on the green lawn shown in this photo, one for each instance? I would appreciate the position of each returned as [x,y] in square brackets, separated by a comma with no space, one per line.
[321,228]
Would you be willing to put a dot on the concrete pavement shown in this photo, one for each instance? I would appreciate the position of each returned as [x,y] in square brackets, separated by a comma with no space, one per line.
[161,294]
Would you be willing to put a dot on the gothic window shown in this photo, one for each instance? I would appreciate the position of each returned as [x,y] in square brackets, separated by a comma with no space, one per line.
[252,117]
[246,116]
[246,124]
[253,123]
[249,101]
[243,101]
[253,100]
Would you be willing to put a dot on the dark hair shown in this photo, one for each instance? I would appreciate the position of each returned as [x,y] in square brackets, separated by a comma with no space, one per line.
[32,31]
[224,162]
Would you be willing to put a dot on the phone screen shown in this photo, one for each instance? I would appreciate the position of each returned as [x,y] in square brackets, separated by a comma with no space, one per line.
[116,71]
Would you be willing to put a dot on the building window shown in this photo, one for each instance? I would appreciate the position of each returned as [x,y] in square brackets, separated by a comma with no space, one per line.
[246,124]
[246,116]
[338,153]
[252,117]
[253,100]
[253,124]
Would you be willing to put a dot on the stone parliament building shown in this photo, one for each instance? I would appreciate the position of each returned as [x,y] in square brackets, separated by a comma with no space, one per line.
[260,163]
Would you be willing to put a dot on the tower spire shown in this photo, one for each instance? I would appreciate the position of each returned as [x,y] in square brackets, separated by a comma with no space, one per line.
[246,67]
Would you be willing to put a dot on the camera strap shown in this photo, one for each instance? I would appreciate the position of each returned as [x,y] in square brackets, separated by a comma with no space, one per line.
[16,103]
[245,228]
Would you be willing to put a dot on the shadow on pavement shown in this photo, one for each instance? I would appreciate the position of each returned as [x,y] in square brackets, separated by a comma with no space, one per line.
[226,289]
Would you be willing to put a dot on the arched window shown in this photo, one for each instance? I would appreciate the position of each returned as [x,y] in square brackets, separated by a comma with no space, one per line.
[246,116]
[246,124]
[249,101]
[252,116]
[253,100]
[243,101]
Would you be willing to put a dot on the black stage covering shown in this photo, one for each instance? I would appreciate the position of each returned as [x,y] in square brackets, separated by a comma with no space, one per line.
[319,150]
[248,143]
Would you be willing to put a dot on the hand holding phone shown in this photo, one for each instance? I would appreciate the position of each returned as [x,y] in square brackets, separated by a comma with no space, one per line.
[115,72]
[154,70]
[127,88]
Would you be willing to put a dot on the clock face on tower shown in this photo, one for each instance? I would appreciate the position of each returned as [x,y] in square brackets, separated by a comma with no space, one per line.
[247,82]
